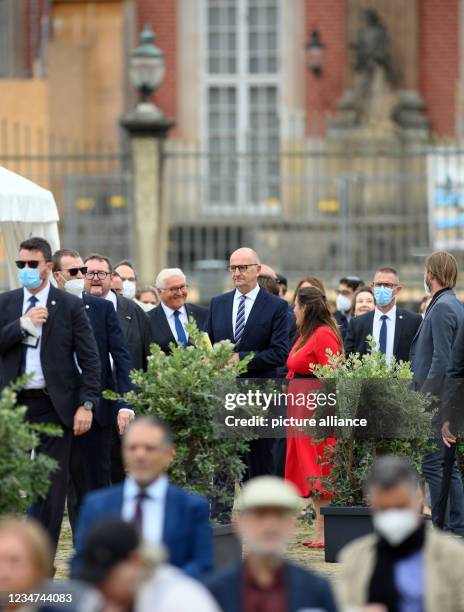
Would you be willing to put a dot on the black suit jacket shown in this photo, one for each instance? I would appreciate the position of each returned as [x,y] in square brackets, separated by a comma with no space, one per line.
[406,326]
[136,329]
[160,329]
[266,332]
[110,340]
[66,335]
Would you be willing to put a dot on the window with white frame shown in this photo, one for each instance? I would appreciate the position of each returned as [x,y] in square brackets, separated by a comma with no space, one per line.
[241,86]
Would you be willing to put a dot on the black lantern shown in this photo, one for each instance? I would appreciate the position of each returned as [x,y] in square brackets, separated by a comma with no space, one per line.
[146,65]
[315,53]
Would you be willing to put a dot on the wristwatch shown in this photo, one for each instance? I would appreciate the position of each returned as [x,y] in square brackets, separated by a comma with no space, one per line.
[88,405]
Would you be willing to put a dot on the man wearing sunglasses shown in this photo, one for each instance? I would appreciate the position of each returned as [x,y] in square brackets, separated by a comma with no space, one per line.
[43,331]
[90,466]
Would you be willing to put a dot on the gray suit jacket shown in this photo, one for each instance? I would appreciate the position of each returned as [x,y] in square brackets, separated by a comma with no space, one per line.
[433,343]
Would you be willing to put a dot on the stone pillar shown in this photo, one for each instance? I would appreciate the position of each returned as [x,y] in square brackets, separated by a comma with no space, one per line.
[147,132]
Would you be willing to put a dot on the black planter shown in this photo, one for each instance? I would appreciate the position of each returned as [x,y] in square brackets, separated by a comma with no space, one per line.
[227,547]
[343,525]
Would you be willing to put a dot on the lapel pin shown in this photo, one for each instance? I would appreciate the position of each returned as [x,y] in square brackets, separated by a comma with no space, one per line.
[128,317]
[87,306]
[400,317]
[53,302]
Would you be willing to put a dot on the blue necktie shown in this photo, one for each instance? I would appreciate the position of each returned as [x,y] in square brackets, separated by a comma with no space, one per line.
[240,320]
[22,366]
[181,337]
[383,335]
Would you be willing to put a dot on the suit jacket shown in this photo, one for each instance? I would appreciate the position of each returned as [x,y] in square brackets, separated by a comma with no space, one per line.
[342,321]
[305,590]
[66,335]
[406,326]
[187,533]
[136,329]
[160,329]
[443,567]
[266,332]
[110,340]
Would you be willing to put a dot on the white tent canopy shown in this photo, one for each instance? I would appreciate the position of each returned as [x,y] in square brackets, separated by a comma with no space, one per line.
[25,210]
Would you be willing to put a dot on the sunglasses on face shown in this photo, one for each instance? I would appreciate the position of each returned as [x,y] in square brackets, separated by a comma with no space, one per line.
[75,271]
[33,263]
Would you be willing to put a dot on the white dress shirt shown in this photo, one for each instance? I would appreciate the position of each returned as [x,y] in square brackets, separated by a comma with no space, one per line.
[391,324]
[183,318]
[250,300]
[33,363]
[111,297]
[153,507]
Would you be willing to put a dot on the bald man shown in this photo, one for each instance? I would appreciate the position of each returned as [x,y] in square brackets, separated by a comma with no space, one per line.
[256,322]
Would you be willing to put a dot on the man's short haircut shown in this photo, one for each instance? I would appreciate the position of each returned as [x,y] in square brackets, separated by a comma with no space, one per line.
[101,258]
[128,263]
[390,471]
[146,289]
[163,276]
[267,282]
[388,270]
[282,280]
[58,256]
[37,244]
[152,421]
[353,282]
[444,267]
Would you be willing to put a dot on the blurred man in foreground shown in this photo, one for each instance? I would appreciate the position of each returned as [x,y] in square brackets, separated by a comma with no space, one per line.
[402,566]
[265,521]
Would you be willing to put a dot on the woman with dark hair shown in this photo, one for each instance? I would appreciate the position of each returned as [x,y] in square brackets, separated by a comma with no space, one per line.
[309,281]
[318,333]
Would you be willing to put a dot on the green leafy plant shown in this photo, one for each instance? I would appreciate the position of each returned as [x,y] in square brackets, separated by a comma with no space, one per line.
[22,480]
[182,389]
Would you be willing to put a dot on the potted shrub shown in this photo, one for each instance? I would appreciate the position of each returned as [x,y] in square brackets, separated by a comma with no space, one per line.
[398,422]
[182,389]
[23,481]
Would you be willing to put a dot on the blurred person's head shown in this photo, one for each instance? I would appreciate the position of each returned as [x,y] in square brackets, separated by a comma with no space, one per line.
[269,283]
[425,301]
[283,285]
[127,273]
[266,516]
[172,287]
[345,292]
[69,271]
[34,264]
[98,275]
[147,449]
[245,267]
[363,301]
[147,298]
[441,272]
[268,271]
[386,287]
[395,498]
[312,311]
[117,284]
[25,555]
[309,281]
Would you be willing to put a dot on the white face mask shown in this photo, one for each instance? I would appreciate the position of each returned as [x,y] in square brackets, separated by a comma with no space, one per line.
[75,286]
[395,525]
[145,307]
[343,303]
[128,289]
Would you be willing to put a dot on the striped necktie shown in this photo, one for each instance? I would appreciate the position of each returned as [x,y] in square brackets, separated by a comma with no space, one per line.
[240,320]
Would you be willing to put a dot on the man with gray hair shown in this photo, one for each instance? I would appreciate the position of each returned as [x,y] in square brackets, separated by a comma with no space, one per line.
[169,318]
[403,565]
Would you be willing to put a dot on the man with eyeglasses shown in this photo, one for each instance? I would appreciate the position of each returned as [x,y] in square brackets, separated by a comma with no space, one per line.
[90,466]
[44,332]
[169,318]
[392,328]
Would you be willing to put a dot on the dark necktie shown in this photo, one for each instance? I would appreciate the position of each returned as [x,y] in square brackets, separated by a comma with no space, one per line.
[240,320]
[383,335]
[181,336]
[138,514]
[22,367]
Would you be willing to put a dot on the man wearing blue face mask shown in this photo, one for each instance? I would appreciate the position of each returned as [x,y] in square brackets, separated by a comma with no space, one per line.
[392,328]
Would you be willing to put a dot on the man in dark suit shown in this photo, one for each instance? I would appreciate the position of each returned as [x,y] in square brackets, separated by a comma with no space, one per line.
[164,513]
[43,331]
[256,322]
[266,520]
[169,318]
[90,466]
[391,328]
[345,292]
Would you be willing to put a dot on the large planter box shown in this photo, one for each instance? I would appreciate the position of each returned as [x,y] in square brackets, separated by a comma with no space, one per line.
[227,547]
[343,525]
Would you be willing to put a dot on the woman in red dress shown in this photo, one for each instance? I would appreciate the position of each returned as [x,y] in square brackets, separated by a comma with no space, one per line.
[318,332]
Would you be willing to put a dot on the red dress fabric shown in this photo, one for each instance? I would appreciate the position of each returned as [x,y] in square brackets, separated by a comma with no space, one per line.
[303,456]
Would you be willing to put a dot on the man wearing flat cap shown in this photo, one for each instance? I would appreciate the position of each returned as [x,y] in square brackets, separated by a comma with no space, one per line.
[265,521]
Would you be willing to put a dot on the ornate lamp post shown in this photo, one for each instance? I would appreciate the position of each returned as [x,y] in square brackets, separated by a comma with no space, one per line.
[146,70]
[315,52]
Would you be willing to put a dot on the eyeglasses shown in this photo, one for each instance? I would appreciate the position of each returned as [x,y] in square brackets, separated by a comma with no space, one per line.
[33,263]
[98,273]
[175,289]
[387,285]
[74,271]
[242,268]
